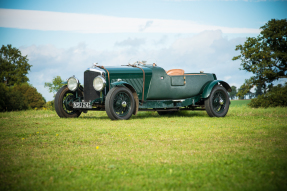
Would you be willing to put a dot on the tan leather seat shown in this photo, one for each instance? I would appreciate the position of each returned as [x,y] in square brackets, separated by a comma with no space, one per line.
[175,72]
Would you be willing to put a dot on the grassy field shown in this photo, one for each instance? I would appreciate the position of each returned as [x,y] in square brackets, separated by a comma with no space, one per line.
[239,103]
[246,150]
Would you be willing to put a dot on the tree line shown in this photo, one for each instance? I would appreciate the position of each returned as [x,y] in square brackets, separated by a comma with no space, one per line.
[15,91]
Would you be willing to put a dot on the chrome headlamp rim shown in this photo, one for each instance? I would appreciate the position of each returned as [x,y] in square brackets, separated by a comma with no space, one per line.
[73,87]
[103,85]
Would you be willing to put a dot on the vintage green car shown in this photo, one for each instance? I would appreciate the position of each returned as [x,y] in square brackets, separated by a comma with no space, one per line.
[124,90]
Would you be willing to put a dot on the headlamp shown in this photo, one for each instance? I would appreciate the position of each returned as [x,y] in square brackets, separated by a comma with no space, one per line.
[73,83]
[99,83]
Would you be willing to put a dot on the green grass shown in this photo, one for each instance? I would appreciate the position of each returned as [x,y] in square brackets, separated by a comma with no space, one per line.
[246,150]
[239,103]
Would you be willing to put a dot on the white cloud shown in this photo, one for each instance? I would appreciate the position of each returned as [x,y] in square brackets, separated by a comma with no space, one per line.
[148,24]
[227,78]
[208,51]
[92,23]
[136,42]
[161,41]
[198,43]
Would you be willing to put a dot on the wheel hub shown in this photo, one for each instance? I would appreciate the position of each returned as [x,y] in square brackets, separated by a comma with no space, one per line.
[221,102]
[124,104]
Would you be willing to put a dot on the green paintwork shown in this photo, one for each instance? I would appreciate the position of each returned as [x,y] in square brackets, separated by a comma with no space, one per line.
[163,103]
[163,86]
[119,83]
[177,80]
[132,76]
[208,87]
[123,83]
[160,86]
[170,103]
[99,100]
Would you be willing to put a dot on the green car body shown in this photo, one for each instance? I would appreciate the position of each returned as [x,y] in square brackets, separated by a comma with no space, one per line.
[132,88]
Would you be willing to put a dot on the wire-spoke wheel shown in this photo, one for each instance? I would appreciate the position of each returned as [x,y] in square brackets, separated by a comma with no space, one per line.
[217,104]
[64,103]
[119,103]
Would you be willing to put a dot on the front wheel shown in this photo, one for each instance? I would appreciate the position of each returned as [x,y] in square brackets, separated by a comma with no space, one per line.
[120,103]
[64,103]
[217,104]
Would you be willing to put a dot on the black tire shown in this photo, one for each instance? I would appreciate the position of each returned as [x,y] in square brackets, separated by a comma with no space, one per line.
[166,112]
[120,103]
[217,104]
[63,103]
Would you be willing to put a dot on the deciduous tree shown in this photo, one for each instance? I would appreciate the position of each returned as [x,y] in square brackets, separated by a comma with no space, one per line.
[275,97]
[11,99]
[32,96]
[13,66]
[55,85]
[258,91]
[233,93]
[245,89]
[266,55]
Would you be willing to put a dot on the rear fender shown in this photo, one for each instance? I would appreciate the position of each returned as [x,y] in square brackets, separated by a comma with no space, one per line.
[208,88]
[130,87]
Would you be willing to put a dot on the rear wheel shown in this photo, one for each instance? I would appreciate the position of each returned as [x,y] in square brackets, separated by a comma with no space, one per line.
[217,104]
[64,103]
[120,103]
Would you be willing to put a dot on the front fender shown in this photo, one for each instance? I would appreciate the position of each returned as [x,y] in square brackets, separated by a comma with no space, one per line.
[119,83]
[208,88]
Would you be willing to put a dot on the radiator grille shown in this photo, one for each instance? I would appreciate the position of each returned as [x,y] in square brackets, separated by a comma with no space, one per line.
[90,93]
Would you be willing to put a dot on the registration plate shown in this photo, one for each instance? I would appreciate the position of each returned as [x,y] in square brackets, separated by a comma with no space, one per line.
[82,105]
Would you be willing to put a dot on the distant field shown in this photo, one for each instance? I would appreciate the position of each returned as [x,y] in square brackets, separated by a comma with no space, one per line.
[239,102]
[246,150]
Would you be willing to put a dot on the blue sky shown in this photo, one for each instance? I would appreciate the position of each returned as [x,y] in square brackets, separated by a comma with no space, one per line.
[65,37]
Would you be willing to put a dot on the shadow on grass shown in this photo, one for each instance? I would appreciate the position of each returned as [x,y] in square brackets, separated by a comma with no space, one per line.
[150,114]
[93,117]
